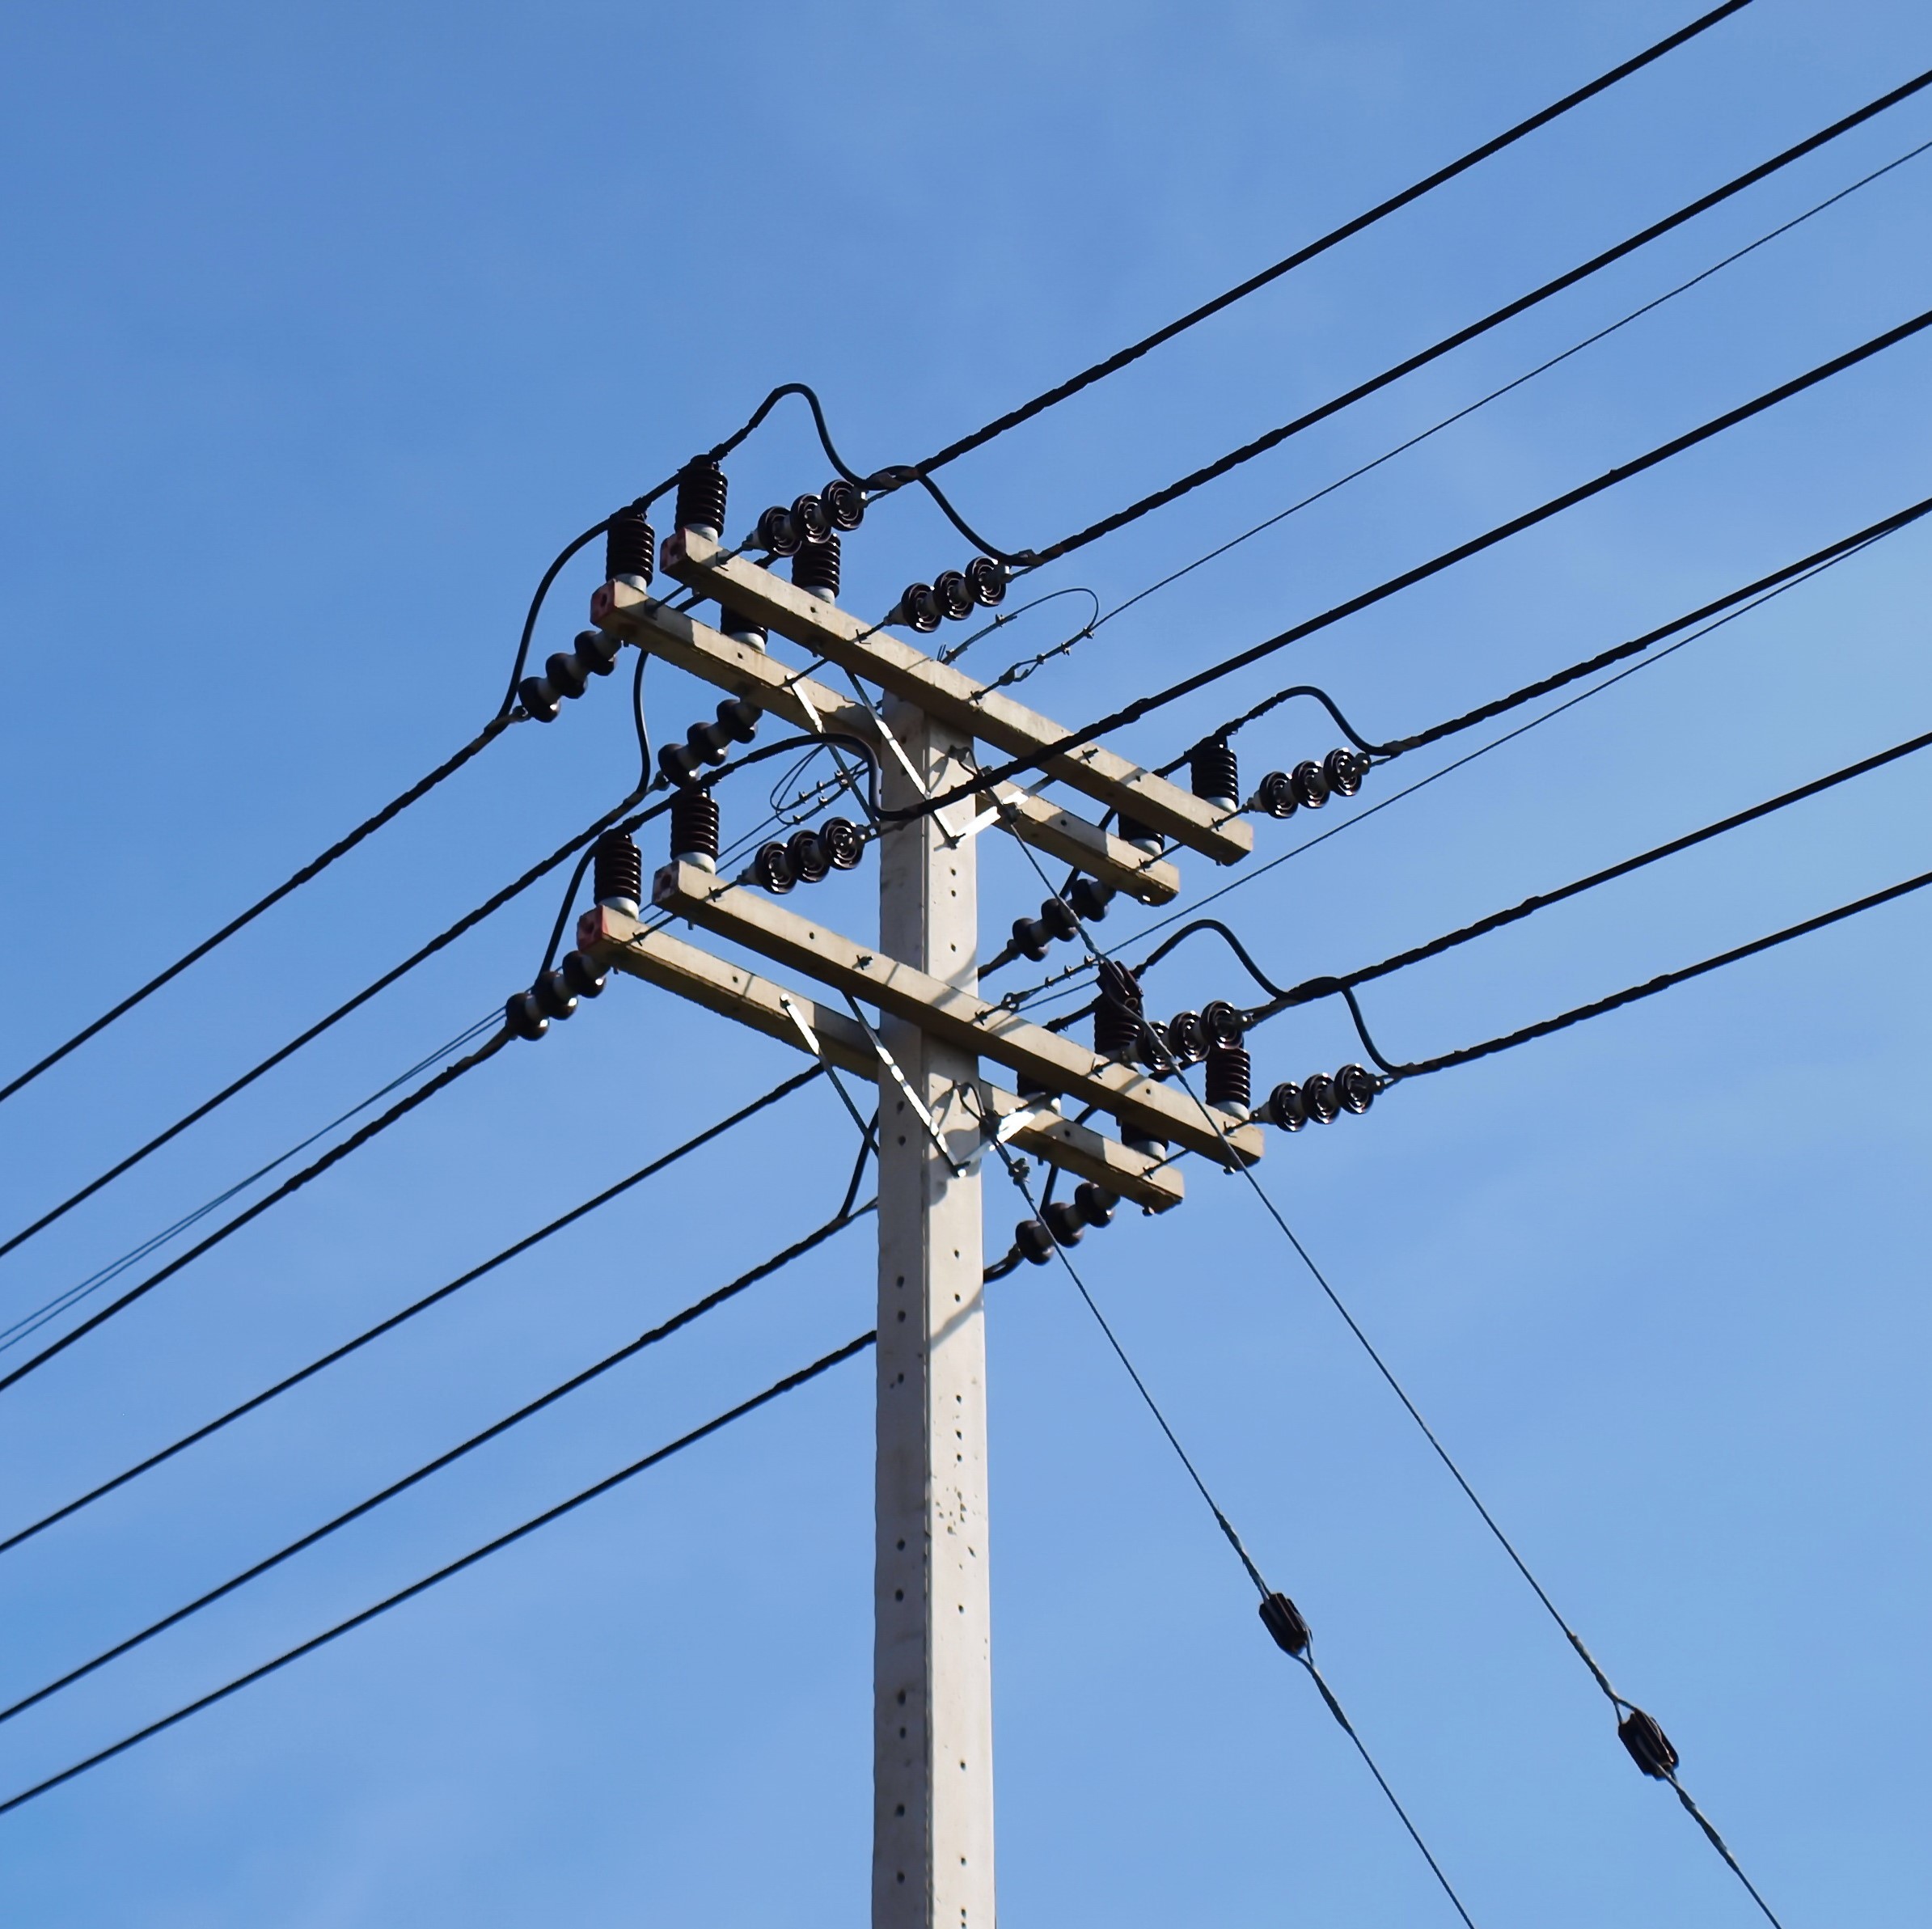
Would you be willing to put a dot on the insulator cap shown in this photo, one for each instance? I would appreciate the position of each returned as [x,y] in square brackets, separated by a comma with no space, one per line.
[538,700]
[1285,1108]
[1186,1038]
[1095,1203]
[1311,784]
[1090,898]
[1649,1747]
[919,607]
[1356,1086]
[811,862]
[842,844]
[584,975]
[1275,794]
[777,532]
[565,674]
[1319,1095]
[1034,1242]
[1213,772]
[987,579]
[702,491]
[772,868]
[954,595]
[597,650]
[1229,1073]
[1224,1023]
[554,997]
[815,567]
[844,504]
[1283,1619]
[630,546]
[617,871]
[1345,770]
[521,1015]
[694,828]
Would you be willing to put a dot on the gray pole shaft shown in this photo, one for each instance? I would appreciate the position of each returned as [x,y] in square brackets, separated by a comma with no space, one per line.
[932,1772]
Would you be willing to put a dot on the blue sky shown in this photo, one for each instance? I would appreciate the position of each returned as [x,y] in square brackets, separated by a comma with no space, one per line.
[327,326]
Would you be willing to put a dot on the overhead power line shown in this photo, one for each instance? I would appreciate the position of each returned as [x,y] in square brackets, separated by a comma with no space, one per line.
[776,1390]
[676,1323]
[294,1182]
[514,1250]
[1145,706]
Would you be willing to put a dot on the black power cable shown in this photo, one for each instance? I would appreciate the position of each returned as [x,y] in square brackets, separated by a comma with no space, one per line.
[675,1324]
[389,1325]
[294,1182]
[1144,706]
[788,1384]
[1274,437]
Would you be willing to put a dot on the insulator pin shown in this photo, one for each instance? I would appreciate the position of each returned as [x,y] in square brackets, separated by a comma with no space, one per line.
[702,493]
[695,827]
[617,873]
[630,549]
[1283,1620]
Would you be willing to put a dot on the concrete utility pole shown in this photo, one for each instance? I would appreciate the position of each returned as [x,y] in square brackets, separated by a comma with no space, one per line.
[932,1767]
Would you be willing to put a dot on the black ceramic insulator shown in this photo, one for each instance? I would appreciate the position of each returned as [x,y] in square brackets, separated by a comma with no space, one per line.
[1187,1037]
[1356,1086]
[1213,772]
[1034,1242]
[777,532]
[844,504]
[617,868]
[816,567]
[1283,1619]
[842,844]
[678,762]
[706,742]
[1089,898]
[919,607]
[809,517]
[1229,1073]
[741,628]
[738,718]
[1029,941]
[1096,1204]
[1649,1747]
[538,700]
[701,493]
[521,1014]
[597,650]
[954,595]
[1058,918]
[1311,784]
[584,975]
[811,862]
[1286,1109]
[554,997]
[1345,770]
[1064,1220]
[565,675]
[630,546]
[695,825]
[772,869]
[1275,794]
[1130,830]
[987,579]
[1117,1017]
[1318,1095]
[1224,1023]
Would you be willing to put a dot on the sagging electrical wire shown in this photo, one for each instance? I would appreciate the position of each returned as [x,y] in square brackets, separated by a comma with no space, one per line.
[29,1323]
[1145,706]
[1279,1615]
[790,1384]
[663,1330]
[389,1325]
[293,1183]
[1642,1737]
[1020,670]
